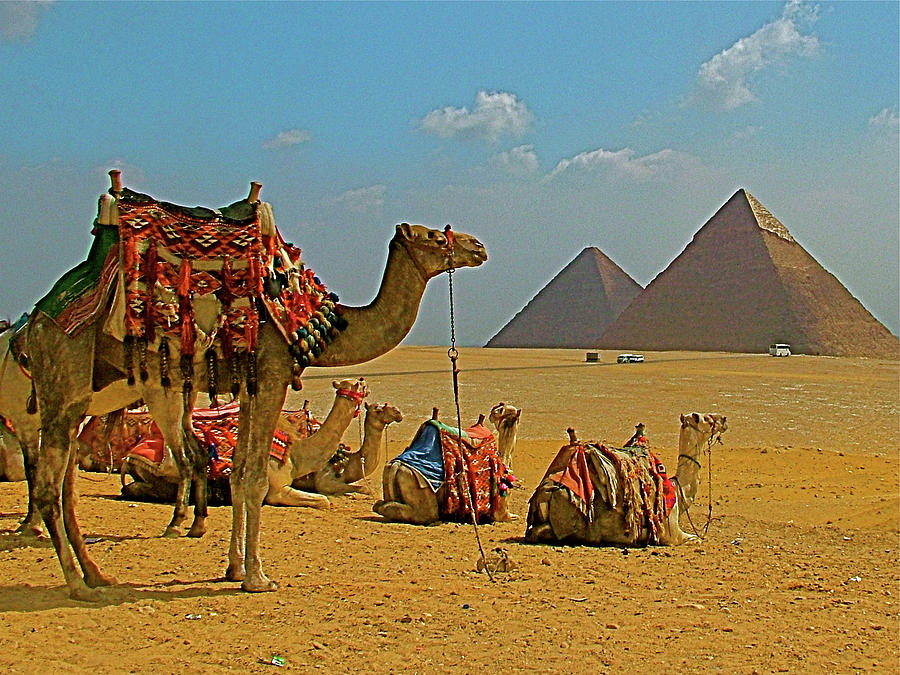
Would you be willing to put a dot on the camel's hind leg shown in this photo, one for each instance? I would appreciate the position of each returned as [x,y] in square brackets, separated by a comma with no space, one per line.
[166,408]
[405,501]
[49,476]
[93,577]
[31,525]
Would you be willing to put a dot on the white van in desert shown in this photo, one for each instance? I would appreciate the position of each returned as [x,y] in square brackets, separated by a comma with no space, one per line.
[779,350]
[630,358]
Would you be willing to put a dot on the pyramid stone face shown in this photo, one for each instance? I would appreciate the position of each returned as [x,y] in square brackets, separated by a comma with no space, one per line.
[742,283]
[574,309]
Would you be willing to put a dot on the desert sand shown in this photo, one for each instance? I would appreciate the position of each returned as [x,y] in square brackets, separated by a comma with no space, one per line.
[798,571]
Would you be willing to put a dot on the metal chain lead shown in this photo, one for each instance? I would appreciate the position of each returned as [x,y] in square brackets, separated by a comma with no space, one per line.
[453,354]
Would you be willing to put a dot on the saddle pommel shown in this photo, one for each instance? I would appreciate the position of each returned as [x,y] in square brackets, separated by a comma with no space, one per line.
[115,179]
[255,187]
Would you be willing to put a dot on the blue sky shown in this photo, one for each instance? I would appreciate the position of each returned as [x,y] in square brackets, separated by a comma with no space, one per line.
[541,128]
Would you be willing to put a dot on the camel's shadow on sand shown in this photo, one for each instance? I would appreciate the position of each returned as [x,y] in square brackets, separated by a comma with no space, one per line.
[28,598]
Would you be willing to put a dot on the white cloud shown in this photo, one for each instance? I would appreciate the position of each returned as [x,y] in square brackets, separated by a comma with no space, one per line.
[494,114]
[19,20]
[520,160]
[285,139]
[362,199]
[885,120]
[625,162]
[722,82]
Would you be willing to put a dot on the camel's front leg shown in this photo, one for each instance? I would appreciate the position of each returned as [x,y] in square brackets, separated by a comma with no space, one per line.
[280,492]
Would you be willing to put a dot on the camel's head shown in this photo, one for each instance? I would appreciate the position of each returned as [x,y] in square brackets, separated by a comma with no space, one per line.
[356,390]
[436,251]
[708,424]
[504,415]
[384,412]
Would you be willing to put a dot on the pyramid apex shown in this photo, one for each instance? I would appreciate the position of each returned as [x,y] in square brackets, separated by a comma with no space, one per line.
[764,217]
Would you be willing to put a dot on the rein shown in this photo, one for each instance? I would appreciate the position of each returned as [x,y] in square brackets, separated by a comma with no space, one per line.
[453,355]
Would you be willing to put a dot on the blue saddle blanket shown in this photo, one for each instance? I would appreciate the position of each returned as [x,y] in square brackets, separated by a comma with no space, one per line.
[425,454]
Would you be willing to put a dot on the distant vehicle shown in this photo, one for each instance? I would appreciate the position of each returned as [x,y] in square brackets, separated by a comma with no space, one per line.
[779,349]
[592,357]
[630,358]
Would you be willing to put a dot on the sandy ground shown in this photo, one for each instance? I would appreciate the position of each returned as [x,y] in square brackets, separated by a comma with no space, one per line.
[798,572]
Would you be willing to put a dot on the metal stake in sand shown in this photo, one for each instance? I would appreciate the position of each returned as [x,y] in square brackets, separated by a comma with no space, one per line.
[453,354]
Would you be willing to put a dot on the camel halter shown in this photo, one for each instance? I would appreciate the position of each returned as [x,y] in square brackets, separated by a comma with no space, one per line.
[355,396]
[453,355]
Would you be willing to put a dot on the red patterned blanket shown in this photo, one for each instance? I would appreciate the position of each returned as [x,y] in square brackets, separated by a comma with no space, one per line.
[473,473]
[216,429]
[200,277]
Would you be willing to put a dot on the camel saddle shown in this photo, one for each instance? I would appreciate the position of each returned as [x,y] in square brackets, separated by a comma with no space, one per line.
[465,463]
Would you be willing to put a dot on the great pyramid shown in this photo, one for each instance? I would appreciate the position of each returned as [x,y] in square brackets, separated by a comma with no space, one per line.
[742,283]
[573,309]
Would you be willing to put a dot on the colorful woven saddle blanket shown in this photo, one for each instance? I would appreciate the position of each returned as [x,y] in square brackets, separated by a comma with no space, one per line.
[465,464]
[632,480]
[216,429]
[197,277]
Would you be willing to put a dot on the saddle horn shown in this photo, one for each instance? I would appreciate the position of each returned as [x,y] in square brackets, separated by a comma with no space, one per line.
[255,187]
[572,438]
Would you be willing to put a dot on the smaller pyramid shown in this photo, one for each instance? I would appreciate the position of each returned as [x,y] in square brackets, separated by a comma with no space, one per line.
[742,283]
[574,309]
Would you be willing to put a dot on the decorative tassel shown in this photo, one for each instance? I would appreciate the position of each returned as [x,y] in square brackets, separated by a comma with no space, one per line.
[150,276]
[212,377]
[142,358]
[128,345]
[296,372]
[251,373]
[234,365]
[187,373]
[31,402]
[164,363]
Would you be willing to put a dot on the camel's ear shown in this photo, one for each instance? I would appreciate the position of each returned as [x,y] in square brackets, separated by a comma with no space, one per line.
[368,405]
[518,412]
[697,418]
[335,384]
[682,419]
[405,230]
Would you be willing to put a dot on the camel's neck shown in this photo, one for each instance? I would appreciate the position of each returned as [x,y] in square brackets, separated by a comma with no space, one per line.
[310,452]
[370,450]
[690,455]
[506,438]
[381,325]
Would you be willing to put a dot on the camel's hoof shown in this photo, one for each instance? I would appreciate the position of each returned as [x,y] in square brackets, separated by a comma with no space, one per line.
[31,532]
[322,506]
[172,532]
[83,593]
[264,585]
[100,579]
[197,532]
[376,507]
[234,573]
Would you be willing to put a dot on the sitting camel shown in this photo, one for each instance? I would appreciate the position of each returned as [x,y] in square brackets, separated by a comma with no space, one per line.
[418,494]
[308,454]
[593,494]
[346,470]
[506,419]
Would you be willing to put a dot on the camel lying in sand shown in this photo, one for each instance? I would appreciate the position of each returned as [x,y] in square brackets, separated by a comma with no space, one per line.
[594,494]
[348,470]
[414,493]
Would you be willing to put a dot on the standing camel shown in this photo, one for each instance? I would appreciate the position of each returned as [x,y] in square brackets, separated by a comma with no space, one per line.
[68,368]
[593,494]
